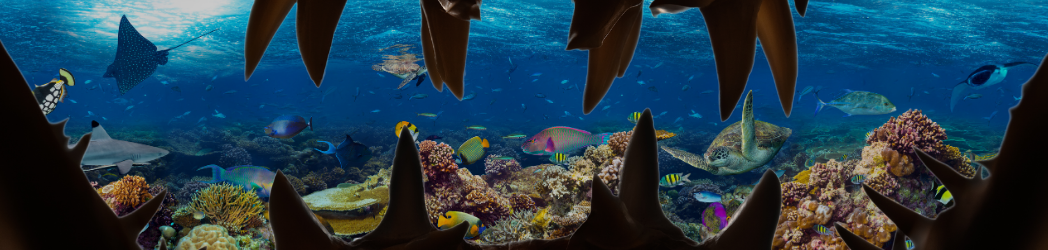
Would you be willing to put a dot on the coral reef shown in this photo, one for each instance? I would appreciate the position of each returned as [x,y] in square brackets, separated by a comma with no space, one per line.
[437,162]
[619,141]
[466,193]
[610,174]
[600,155]
[351,210]
[234,156]
[207,236]
[230,206]
[151,236]
[793,192]
[126,194]
[521,202]
[500,168]
[512,228]
[908,130]
[663,134]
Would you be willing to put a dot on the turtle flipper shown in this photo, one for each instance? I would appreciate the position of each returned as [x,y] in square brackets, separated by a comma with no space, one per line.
[749,140]
[694,160]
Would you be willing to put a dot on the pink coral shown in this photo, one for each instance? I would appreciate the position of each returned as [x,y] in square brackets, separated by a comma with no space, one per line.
[500,168]
[468,193]
[793,192]
[911,129]
[437,161]
[610,174]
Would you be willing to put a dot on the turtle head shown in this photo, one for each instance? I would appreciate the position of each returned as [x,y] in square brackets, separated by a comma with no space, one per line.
[719,157]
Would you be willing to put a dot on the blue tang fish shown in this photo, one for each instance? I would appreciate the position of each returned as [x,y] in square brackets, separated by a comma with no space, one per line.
[348,152]
[250,177]
[287,126]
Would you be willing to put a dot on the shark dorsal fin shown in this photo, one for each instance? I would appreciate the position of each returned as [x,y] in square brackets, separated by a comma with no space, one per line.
[749,143]
[98,133]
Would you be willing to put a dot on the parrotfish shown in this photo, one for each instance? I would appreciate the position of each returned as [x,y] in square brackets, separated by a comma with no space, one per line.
[562,140]
[249,177]
[287,126]
[453,218]
[348,152]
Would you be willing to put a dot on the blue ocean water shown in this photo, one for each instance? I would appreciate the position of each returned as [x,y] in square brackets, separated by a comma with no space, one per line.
[912,52]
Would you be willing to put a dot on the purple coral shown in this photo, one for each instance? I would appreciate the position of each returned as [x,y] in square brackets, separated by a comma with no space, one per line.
[437,162]
[234,156]
[911,129]
[793,192]
[500,168]
[185,195]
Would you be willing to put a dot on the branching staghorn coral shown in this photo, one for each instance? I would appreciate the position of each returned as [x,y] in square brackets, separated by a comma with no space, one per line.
[230,206]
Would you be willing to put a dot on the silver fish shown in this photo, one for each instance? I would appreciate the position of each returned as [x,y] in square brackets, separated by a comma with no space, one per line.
[859,103]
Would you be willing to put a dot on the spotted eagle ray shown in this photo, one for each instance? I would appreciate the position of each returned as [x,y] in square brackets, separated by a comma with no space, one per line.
[136,57]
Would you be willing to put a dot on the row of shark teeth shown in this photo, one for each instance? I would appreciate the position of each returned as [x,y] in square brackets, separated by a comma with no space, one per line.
[984,205]
[609,29]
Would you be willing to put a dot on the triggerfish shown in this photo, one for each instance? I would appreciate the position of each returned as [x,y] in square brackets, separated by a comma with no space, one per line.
[718,212]
[561,140]
[859,103]
[472,150]
[453,218]
[250,177]
[51,93]
[411,128]
[287,126]
[348,152]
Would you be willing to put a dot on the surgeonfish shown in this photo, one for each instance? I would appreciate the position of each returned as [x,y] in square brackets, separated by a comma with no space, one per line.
[707,196]
[47,94]
[673,180]
[249,177]
[411,128]
[453,218]
[943,195]
[859,103]
[558,158]
[561,140]
[634,117]
[287,126]
[348,152]
[472,150]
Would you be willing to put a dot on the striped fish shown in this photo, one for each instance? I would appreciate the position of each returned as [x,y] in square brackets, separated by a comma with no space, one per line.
[822,230]
[411,128]
[857,179]
[943,195]
[558,158]
[672,180]
[634,117]
[909,244]
[472,150]
[561,140]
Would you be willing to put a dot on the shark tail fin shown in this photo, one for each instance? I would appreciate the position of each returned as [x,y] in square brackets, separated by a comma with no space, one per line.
[216,173]
[958,94]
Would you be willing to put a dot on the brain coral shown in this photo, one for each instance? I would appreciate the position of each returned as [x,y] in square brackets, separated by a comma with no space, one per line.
[207,236]
[230,206]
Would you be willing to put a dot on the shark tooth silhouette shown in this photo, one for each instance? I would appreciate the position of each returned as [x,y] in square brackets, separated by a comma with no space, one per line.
[634,219]
[315,24]
[406,224]
[734,27]
[445,38]
[609,30]
[62,196]
[979,218]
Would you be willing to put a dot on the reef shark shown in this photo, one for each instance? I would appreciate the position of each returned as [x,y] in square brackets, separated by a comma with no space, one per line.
[104,152]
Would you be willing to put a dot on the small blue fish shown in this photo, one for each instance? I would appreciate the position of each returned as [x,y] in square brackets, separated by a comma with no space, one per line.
[822,230]
[640,82]
[163,82]
[534,80]
[549,101]
[278,91]
[380,75]
[707,197]
[564,82]
[74,101]
[536,74]
[376,111]
[213,78]
[537,170]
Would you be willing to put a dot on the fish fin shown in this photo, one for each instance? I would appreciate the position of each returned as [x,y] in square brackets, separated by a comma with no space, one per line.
[684,178]
[484,142]
[310,123]
[125,166]
[550,147]
[98,133]
[331,148]
[958,93]
[819,105]
[263,22]
[749,139]
[217,173]
[604,138]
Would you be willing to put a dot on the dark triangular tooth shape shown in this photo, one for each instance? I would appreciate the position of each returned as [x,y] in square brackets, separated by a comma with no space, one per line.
[66,199]
[754,226]
[446,40]
[779,42]
[904,218]
[953,180]
[163,244]
[315,25]
[610,30]
[675,6]
[608,225]
[639,176]
[266,17]
[294,225]
[854,241]
[801,5]
[136,221]
[406,214]
[900,241]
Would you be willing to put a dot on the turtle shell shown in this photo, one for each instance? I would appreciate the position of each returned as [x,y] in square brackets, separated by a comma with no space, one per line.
[768,136]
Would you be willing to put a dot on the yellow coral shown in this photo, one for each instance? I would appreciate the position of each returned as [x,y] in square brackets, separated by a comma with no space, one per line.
[541,220]
[131,190]
[207,236]
[231,206]
[802,177]
[663,134]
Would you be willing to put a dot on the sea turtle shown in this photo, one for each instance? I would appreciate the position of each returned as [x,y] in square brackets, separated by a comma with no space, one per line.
[741,147]
[403,66]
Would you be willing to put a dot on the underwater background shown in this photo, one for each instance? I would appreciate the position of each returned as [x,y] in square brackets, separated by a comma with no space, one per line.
[520,80]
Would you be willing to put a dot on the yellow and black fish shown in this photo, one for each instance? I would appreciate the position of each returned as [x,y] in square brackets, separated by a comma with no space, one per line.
[558,158]
[634,117]
[858,179]
[822,230]
[943,195]
[909,244]
[472,150]
[50,94]
[672,180]
[411,128]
